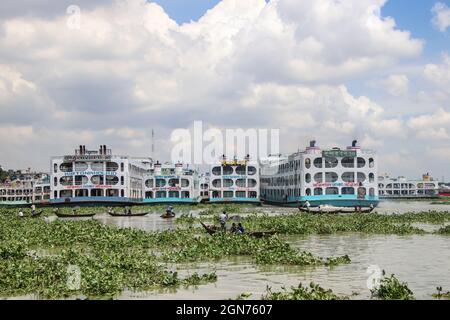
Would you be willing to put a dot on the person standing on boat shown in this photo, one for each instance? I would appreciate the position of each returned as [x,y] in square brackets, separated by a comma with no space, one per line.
[223,220]
[307,205]
[33,209]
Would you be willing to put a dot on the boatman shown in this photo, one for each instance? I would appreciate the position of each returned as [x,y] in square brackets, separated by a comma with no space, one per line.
[307,204]
[223,220]
[33,209]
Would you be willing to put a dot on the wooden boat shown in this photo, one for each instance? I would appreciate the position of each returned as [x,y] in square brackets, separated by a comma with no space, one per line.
[139,214]
[78,215]
[257,234]
[167,215]
[353,210]
[325,209]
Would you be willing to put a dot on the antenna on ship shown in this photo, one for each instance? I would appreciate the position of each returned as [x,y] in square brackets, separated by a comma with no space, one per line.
[153,144]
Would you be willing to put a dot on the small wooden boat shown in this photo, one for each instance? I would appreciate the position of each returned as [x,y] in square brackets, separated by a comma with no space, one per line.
[257,234]
[353,210]
[78,215]
[167,215]
[139,214]
[325,209]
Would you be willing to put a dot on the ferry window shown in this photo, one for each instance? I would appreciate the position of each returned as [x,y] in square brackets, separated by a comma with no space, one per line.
[361,192]
[331,162]
[55,168]
[371,163]
[148,194]
[331,177]
[81,193]
[65,167]
[216,194]
[65,194]
[240,183]
[389,186]
[66,181]
[318,163]
[371,177]
[96,180]
[112,193]
[331,191]
[55,181]
[348,177]
[121,166]
[227,170]
[308,192]
[253,194]
[149,183]
[240,194]
[348,162]
[160,183]
[96,193]
[227,183]
[318,177]
[251,171]
[318,191]
[174,182]
[228,194]
[251,183]
[307,163]
[112,166]
[217,183]
[216,171]
[372,192]
[204,186]
[122,180]
[348,190]
[55,194]
[81,166]
[160,194]
[308,178]
[240,170]
[185,194]
[184,183]
[380,185]
[361,177]
[361,162]
[112,180]
[174,194]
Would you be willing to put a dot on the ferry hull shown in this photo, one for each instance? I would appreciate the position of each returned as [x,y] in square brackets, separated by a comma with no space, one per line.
[235,200]
[315,201]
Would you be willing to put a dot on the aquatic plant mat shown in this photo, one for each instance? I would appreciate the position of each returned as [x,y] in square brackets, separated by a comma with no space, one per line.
[65,258]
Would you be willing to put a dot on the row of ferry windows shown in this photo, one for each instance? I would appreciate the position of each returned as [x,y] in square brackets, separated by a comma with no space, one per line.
[167,194]
[83,166]
[159,183]
[229,170]
[12,192]
[89,193]
[319,177]
[234,194]
[321,191]
[96,180]
[346,162]
[243,183]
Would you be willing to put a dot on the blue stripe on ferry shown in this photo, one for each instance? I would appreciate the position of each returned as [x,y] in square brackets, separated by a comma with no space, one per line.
[252,200]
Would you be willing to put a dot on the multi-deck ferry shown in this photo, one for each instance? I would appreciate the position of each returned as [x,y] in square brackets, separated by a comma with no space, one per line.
[401,187]
[336,177]
[234,181]
[30,188]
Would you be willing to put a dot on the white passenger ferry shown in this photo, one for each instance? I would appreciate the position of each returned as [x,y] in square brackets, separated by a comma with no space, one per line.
[401,187]
[335,177]
[171,183]
[234,181]
[30,188]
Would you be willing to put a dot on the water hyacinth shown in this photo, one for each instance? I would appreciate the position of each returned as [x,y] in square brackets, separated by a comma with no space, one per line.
[390,288]
[311,292]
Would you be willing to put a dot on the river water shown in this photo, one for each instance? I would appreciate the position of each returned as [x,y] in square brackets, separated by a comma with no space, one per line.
[423,261]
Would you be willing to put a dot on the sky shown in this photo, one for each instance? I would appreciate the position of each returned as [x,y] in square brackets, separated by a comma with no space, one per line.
[107,72]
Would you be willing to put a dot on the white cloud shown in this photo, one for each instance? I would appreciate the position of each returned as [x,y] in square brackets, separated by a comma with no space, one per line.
[396,85]
[441,16]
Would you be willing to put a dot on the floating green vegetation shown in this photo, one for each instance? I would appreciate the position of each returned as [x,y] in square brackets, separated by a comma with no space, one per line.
[390,288]
[440,294]
[313,292]
[35,256]
[444,230]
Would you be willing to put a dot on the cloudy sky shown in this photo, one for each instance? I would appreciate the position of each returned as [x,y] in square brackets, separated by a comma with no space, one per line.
[374,70]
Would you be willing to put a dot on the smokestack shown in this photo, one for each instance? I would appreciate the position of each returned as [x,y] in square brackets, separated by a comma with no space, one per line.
[101,149]
[104,149]
[312,143]
[354,142]
[81,149]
